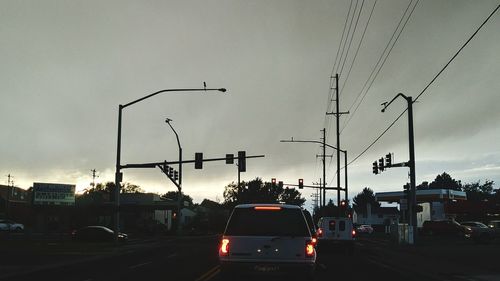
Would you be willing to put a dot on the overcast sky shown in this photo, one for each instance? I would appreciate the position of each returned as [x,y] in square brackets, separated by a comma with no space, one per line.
[67,65]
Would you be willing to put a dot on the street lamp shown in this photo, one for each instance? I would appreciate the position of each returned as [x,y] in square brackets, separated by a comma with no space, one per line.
[411,163]
[179,199]
[118,173]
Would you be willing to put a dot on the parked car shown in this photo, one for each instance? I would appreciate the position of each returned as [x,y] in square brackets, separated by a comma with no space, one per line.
[96,233]
[446,228]
[9,225]
[364,228]
[495,225]
[335,230]
[480,231]
[267,239]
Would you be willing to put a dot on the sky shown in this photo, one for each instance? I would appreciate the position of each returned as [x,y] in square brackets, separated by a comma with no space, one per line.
[67,65]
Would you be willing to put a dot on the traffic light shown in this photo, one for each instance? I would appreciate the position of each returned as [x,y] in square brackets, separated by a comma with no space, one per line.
[343,203]
[301,183]
[176,175]
[280,184]
[242,161]
[375,168]
[273,182]
[170,171]
[198,160]
[229,158]
[388,159]
[381,164]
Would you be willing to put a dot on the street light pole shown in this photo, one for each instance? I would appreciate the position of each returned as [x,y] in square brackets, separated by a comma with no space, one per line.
[118,173]
[179,199]
[411,164]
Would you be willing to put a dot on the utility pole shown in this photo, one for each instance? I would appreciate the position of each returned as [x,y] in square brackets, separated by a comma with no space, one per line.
[337,114]
[10,187]
[93,178]
[324,168]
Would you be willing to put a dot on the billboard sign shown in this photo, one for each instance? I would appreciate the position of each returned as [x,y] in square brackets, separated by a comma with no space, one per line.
[53,194]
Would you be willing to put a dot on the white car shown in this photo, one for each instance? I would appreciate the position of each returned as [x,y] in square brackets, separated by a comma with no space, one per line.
[267,239]
[335,230]
[365,228]
[6,225]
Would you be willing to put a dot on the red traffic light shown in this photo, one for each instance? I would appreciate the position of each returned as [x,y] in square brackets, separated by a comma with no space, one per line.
[301,183]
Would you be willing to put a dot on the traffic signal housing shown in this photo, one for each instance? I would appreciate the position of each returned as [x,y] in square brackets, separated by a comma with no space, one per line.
[280,184]
[301,183]
[273,182]
[242,161]
[381,164]
[198,160]
[375,168]
[388,160]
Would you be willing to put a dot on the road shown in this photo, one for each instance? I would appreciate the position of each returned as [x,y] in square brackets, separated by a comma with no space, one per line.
[195,259]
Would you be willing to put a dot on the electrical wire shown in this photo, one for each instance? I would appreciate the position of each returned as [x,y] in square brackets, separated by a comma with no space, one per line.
[352,37]
[359,45]
[428,85]
[380,63]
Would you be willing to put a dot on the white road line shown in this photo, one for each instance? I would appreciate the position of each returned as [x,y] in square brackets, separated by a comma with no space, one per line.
[139,265]
[172,256]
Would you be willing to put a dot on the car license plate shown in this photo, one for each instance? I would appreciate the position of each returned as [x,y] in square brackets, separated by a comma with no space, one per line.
[266,268]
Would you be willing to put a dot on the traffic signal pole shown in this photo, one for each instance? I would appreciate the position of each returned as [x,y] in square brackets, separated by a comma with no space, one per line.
[412,201]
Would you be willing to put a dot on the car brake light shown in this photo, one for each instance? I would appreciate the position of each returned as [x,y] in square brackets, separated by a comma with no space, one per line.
[314,240]
[309,248]
[353,233]
[267,208]
[224,248]
[320,232]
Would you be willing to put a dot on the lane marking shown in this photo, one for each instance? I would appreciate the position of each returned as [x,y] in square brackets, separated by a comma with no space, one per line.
[172,256]
[213,274]
[206,274]
[139,265]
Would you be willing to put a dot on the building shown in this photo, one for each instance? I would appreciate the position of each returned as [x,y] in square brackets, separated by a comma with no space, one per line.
[379,217]
[433,202]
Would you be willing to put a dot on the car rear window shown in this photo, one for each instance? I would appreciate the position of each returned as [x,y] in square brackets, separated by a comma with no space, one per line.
[251,222]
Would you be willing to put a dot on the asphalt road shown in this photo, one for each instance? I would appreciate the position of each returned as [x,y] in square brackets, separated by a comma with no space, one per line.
[195,259]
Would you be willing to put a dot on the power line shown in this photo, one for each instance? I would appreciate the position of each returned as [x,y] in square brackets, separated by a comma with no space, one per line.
[330,92]
[426,87]
[359,45]
[352,37]
[379,65]
[347,37]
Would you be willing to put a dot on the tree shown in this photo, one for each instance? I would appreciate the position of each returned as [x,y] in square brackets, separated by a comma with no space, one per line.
[364,197]
[257,191]
[291,196]
[445,181]
[478,192]
[423,186]
[174,195]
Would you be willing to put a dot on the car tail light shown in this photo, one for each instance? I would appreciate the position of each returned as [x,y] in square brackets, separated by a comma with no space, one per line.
[309,248]
[353,233]
[224,247]
[320,232]
[314,241]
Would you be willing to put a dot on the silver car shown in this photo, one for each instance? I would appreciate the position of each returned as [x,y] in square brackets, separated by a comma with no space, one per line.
[267,239]
[9,225]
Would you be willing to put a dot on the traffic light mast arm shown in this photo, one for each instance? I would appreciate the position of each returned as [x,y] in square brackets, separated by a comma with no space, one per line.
[155,164]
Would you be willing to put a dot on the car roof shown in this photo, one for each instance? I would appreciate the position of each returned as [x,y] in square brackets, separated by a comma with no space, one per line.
[286,206]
